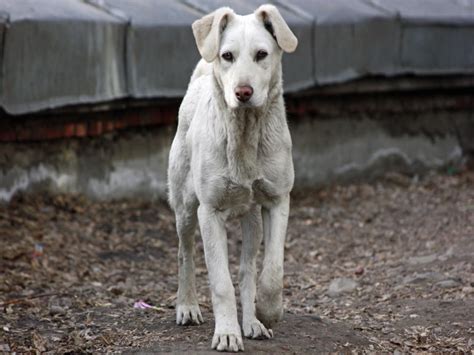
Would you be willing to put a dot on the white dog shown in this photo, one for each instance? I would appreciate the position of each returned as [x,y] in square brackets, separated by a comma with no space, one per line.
[231,156]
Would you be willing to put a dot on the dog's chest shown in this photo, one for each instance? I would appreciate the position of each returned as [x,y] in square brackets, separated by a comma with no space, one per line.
[241,159]
[240,191]
[242,148]
[236,198]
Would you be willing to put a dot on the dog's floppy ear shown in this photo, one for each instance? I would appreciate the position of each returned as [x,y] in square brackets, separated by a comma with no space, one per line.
[276,25]
[207,32]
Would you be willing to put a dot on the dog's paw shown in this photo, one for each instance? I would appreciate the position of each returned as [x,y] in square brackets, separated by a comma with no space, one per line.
[254,329]
[228,342]
[269,308]
[188,315]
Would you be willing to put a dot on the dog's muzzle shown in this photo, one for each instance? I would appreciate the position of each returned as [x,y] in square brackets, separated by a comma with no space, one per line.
[243,93]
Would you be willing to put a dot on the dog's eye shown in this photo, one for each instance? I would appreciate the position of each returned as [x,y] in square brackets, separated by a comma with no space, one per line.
[227,56]
[261,54]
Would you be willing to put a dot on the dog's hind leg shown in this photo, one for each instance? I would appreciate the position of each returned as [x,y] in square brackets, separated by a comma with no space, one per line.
[187,307]
[251,224]
[270,288]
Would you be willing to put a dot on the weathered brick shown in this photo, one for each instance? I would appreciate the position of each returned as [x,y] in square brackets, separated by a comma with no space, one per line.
[69,130]
[109,125]
[81,129]
[95,128]
[49,132]
[7,134]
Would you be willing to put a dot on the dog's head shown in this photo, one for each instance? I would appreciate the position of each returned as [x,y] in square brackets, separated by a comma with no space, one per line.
[245,50]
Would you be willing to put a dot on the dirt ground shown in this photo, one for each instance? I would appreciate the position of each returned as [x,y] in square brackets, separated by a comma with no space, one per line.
[385,266]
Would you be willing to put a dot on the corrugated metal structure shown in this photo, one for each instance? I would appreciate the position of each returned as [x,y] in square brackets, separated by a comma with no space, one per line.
[160,46]
[67,52]
[60,52]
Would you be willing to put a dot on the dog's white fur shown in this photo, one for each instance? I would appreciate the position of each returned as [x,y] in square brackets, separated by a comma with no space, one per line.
[230,158]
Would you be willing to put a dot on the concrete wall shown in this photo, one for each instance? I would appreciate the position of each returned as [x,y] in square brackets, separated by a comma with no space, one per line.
[344,150]
[327,149]
[115,165]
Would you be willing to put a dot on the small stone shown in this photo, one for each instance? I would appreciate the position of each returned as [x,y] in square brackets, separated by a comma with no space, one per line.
[426,259]
[417,278]
[449,253]
[54,310]
[468,289]
[449,283]
[9,309]
[59,306]
[341,285]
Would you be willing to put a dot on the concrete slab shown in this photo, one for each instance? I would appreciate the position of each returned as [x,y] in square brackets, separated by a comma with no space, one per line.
[344,150]
[325,150]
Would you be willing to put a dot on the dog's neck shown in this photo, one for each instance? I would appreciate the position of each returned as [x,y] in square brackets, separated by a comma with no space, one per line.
[243,130]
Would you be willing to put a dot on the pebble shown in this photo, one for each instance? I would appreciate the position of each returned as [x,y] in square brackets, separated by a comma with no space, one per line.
[341,285]
[59,305]
[426,259]
[449,253]
[417,278]
[53,310]
[449,283]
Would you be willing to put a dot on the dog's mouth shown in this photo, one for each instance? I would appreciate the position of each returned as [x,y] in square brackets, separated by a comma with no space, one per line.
[251,104]
[245,104]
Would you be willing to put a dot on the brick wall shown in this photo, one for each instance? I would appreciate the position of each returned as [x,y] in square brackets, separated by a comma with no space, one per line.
[59,125]
[89,121]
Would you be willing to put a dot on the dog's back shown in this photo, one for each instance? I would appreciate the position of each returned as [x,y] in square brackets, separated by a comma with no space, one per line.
[178,169]
[203,68]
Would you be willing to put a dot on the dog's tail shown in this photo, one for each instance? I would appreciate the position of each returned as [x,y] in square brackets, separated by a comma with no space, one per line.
[202,68]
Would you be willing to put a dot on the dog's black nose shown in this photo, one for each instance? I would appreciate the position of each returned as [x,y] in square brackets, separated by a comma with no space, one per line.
[244,93]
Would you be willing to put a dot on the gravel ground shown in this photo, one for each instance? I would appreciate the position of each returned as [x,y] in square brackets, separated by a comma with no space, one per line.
[383,266]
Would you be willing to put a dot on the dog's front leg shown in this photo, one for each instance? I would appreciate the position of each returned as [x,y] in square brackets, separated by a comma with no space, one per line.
[269,297]
[251,224]
[227,335]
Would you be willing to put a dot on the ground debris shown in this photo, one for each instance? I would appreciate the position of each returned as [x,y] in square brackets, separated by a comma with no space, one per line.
[397,254]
